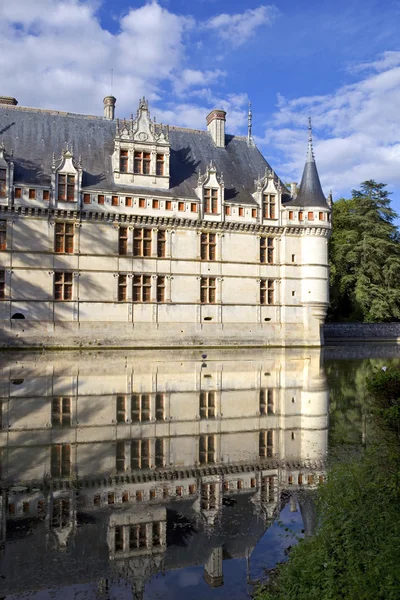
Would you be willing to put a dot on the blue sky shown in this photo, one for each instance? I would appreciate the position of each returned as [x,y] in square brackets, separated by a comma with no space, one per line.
[337,61]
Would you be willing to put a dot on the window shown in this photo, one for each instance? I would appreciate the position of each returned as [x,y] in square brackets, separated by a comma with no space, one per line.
[121,409]
[156,534]
[142,163]
[60,513]
[208,242]
[62,285]
[32,194]
[17,193]
[120,457]
[321,216]
[208,288]
[3,183]
[160,449]
[207,405]
[192,489]
[152,494]
[181,206]
[46,195]
[156,203]
[141,288]
[160,288]
[211,200]
[2,284]
[100,199]
[140,454]
[61,412]
[161,241]
[267,250]
[160,164]
[123,241]
[128,201]
[160,404]
[207,449]
[267,291]
[266,402]
[97,500]
[293,258]
[64,240]
[140,408]
[141,242]
[268,489]
[168,205]
[114,201]
[300,479]
[291,215]
[253,482]
[269,206]
[301,216]
[61,460]
[310,216]
[142,202]
[137,536]
[241,211]
[119,538]
[254,213]
[193,207]
[3,235]
[240,484]
[66,188]
[123,161]
[86,198]
[208,496]
[227,210]
[122,288]
[110,498]
[266,444]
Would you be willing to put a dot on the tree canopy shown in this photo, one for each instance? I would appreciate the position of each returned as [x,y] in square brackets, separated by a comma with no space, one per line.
[364,255]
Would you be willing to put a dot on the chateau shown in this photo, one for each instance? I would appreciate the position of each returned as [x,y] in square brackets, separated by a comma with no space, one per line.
[131,233]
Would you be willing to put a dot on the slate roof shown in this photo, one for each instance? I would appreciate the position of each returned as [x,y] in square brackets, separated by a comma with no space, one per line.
[34,134]
[310,191]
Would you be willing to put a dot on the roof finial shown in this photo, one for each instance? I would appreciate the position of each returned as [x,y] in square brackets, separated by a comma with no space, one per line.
[249,123]
[310,151]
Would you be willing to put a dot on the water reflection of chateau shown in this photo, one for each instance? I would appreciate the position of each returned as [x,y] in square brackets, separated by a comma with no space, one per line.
[122,466]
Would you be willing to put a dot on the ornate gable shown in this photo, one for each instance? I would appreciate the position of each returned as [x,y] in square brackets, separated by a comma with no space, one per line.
[268,195]
[210,190]
[66,178]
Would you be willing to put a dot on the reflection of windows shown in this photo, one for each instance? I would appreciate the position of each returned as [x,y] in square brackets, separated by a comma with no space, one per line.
[266,444]
[211,200]
[207,449]
[118,538]
[208,289]
[267,291]
[60,513]
[32,194]
[142,163]
[207,405]
[64,240]
[61,460]
[140,454]
[137,536]
[268,489]
[141,291]
[62,285]
[269,206]
[156,534]
[2,284]
[3,235]
[66,188]
[208,496]
[120,457]
[140,408]
[266,402]
[61,412]
[208,243]
[141,242]
[121,409]
[267,250]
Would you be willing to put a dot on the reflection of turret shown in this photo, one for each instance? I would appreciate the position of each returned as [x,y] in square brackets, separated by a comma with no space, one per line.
[213,569]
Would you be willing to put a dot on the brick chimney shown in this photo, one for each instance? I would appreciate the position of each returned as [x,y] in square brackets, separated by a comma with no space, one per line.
[109,107]
[8,100]
[216,126]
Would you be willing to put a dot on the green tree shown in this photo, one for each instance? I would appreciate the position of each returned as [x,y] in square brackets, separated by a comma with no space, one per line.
[364,256]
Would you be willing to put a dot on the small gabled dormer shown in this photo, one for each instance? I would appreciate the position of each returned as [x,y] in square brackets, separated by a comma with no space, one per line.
[210,190]
[6,175]
[141,151]
[66,178]
[268,195]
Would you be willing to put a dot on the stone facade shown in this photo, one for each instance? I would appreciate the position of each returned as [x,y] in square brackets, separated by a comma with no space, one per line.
[132,233]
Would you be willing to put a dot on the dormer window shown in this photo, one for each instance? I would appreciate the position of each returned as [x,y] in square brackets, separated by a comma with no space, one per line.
[66,187]
[3,183]
[123,161]
[142,163]
[211,200]
[160,164]
[269,206]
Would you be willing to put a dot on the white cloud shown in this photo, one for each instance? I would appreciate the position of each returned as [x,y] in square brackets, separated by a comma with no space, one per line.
[240,27]
[189,78]
[356,130]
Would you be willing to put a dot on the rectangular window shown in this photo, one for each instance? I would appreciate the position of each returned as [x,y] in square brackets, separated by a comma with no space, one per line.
[118,538]
[156,203]
[193,207]
[114,201]
[269,206]
[46,195]
[141,291]
[161,242]
[123,241]
[60,513]
[208,496]
[160,164]
[241,211]
[208,242]
[140,408]
[160,407]
[3,235]
[123,161]
[66,188]
[321,216]
[121,409]
[266,402]
[18,193]
[100,199]
[168,205]
[156,534]
[3,183]
[181,206]
[254,213]
[268,489]
[137,536]
[227,210]
[140,454]
[142,163]
[207,449]
[2,284]
[310,216]
[160,453]
[122,288]
[128,201]
[291,215]
[32,194]
[60,460]
[61,412]
[211,200]
[301,216]
[62,285]
[86,198]
[142,202]
[208,290]
[160,288]
[267,291]
[267,250]
[64,238]
[266,449]
[120,456]
[207,405]
[141,242]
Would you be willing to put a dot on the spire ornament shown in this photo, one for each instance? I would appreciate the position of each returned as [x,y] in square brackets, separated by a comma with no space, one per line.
[310,150]
[249,123]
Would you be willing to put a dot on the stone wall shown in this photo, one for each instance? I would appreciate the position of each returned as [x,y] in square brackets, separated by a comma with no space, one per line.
[361,332]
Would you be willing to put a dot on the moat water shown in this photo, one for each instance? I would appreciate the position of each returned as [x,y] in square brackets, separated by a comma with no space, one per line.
[171,474]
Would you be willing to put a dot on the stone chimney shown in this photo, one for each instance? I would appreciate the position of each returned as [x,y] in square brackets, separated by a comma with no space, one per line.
[8,100]
[216,126]
[109,107]
[293,189]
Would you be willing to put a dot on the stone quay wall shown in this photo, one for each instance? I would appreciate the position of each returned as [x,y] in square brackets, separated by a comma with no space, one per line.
[361,332]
